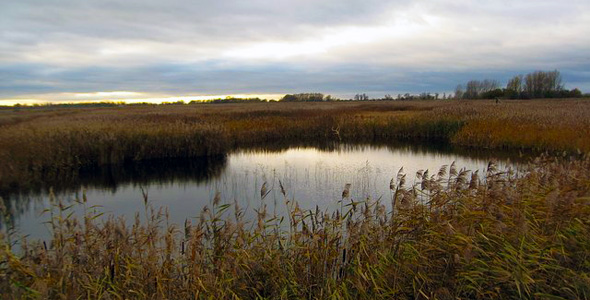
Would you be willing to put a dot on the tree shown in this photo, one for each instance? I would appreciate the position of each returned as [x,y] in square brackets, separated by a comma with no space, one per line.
[304,97]
[361,97]
[489,85]
[459,92]
[575,93]
[476,89]
[471,89]
[514,87]
[540,84]
[493,94]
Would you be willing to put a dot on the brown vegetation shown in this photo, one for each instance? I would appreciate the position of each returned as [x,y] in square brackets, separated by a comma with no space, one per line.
[44,142]
[450,236]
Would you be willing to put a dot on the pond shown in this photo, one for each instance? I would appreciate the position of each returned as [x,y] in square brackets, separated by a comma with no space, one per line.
[311,176]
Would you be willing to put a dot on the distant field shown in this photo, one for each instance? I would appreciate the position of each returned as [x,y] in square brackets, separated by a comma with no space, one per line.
[47,141]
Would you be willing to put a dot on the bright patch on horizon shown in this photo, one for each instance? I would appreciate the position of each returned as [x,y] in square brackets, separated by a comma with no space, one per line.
[124,96]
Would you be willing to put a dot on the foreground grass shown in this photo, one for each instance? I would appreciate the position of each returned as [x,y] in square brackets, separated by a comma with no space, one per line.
[44,143]
[451,235]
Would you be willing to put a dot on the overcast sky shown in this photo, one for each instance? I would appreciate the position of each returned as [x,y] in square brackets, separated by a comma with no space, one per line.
[73,50]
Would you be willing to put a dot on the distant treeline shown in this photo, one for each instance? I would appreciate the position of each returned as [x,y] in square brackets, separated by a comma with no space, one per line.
[51,106]
[120,103]
[230,100]
[307,97]
[538,84]
[319,97]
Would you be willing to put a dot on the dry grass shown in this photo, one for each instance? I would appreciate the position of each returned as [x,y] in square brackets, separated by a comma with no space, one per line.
[450,236]
[559,125]
[43,142]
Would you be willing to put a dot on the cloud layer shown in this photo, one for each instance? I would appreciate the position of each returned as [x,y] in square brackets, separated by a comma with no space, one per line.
[54,49]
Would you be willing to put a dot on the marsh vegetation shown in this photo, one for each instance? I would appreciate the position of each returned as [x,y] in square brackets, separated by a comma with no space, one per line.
[41,142]
[439,234]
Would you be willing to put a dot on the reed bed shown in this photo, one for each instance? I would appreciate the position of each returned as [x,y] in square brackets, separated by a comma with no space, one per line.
[47,142]
[452,234]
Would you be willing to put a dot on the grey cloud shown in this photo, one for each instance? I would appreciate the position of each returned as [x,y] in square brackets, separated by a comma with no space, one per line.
[152,19]
[177,47]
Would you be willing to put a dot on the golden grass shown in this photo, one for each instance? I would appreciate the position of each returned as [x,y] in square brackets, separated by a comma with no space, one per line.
[45,141]
[450,235]
[498,237]
[558,125]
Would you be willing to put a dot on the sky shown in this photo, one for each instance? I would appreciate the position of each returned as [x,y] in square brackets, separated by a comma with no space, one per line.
[138,50]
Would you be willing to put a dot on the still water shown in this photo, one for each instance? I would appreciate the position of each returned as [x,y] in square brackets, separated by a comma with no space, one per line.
[311,176]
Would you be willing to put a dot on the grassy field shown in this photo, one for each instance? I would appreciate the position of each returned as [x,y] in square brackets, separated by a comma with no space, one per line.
[496,235]
[45,142]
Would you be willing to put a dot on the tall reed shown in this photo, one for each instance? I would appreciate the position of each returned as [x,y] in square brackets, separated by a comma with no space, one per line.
[454,234]
[43,143]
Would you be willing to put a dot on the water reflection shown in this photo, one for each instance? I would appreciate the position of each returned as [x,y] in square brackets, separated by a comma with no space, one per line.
[313,175]
[111,177]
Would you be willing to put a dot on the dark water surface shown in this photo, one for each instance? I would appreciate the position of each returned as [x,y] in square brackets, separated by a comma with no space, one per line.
[311,176]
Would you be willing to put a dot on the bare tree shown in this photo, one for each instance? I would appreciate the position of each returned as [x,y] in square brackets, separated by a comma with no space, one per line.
[459,92]
[472,89]
[542,84]
[361,97]
[475,88]
[515,84]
